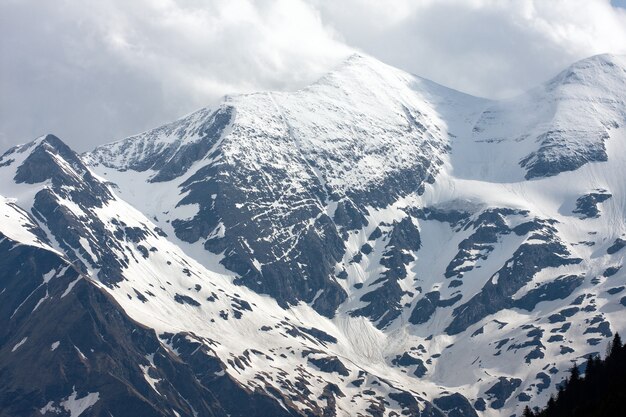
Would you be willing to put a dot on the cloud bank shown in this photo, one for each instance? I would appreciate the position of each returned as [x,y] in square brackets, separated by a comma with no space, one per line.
[492,48]
[93,72]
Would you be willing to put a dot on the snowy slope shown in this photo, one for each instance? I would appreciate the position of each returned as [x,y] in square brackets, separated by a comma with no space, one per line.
[381,243]
[303,166]
[295,358]
[558,126]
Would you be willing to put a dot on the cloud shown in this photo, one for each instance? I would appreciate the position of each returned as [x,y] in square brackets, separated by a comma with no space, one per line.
[94,71]
[492,48]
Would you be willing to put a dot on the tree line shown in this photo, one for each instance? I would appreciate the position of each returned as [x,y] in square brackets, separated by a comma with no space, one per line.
[600,392]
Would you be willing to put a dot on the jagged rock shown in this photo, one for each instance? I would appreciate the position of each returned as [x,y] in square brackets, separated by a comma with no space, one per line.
[455,405]
[560,288]
[542,163]
[101,352]
[587,205]
[349,216]
[495,295]
[501,391]
[616,246]
[330,364]
[425,308]
[384,301]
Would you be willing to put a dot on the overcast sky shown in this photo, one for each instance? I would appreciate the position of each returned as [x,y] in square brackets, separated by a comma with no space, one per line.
[96,71]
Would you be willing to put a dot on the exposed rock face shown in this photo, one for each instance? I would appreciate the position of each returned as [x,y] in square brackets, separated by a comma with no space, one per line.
[502,390]
[384,301]
[455,405]
[543,251]
[265,264]
[616,246]
[68,207]
[587,205]
[542,164]
[95,356]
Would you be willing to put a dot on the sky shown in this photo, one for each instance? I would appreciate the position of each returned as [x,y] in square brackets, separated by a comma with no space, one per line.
[92,72]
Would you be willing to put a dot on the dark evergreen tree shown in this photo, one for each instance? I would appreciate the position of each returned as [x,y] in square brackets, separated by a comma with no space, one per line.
[574,374]
[616,346]
[601,392]
[528,412]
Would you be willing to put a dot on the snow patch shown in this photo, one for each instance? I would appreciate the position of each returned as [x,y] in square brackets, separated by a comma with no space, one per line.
[70,286]
[20,343]
[77,406]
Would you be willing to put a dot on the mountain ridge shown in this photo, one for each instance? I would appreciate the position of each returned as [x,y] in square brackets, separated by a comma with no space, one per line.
[387,244]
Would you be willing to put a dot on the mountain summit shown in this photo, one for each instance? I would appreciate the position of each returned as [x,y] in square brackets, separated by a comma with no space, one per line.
[373,244]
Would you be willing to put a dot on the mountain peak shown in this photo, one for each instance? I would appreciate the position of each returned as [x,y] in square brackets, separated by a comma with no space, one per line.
[361,59]
[48,141]
[363,71]
[49,158]
[601,60]
[53,141]
[605,71]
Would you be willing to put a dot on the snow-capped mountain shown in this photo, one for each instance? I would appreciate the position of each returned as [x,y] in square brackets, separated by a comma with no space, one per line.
[374,244]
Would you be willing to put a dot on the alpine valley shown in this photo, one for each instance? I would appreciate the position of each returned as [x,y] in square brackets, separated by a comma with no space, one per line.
[372,245]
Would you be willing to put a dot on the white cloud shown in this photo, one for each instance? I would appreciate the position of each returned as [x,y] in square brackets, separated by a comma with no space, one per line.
[217,47]
[94,71]
[492,48]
